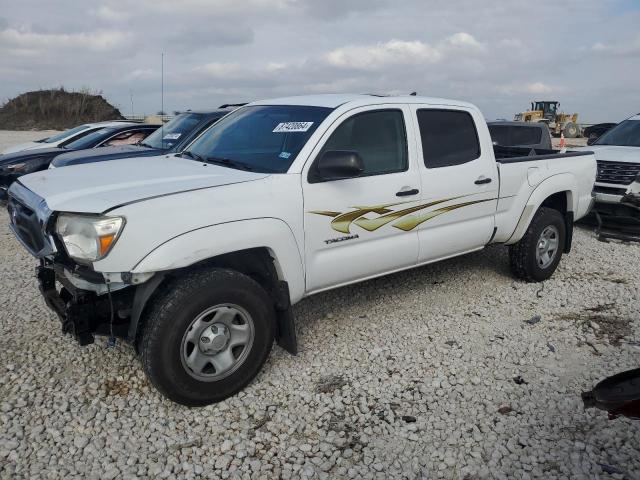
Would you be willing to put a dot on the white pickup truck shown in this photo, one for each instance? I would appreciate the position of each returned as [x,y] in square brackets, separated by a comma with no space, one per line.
[196,258]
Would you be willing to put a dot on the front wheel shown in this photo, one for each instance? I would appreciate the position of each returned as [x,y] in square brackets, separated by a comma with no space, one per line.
[571,130]
[207,336]
[536,256]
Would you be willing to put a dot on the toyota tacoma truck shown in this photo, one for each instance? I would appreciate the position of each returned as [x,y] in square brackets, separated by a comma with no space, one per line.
[197,258]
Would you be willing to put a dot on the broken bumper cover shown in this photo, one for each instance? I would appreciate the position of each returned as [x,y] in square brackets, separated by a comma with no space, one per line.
[83,313]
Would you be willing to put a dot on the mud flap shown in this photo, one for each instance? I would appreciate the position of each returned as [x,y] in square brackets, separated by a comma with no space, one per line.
[568,221]
[286,327]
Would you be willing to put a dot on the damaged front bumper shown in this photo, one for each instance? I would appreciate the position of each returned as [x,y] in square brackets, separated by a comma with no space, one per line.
[85,312]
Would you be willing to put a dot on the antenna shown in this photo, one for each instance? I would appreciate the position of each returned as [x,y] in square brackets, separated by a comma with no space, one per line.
[162,97]
[131,97]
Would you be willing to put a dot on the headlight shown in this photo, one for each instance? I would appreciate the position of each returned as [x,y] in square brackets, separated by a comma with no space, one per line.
[88,238]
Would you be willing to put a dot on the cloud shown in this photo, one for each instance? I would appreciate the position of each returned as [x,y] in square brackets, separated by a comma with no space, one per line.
[26,39]
[239,50]
[228,71]
[533,88]
[105,12]
[399,52]
[626,49]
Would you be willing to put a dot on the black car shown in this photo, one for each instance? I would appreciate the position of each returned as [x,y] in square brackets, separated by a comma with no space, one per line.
[594,132]
[172,137]
[14,165]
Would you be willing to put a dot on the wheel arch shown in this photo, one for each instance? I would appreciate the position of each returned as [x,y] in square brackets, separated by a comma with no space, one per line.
[269,235]
[556,192]
[274,263]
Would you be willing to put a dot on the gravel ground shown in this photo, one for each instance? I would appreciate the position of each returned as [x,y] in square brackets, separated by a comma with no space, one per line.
[407,376]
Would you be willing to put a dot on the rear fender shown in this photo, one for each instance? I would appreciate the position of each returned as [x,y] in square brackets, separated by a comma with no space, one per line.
[561,183]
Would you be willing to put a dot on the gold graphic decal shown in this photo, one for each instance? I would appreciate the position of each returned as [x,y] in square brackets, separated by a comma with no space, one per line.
[342,221]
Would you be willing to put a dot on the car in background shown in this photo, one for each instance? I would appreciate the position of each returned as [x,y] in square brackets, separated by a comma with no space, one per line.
[520,134]
[63,138]
[14,165]
[171,138]
[593,132]
[618,155]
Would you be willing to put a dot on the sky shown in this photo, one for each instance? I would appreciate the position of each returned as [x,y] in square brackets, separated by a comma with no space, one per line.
[498,54]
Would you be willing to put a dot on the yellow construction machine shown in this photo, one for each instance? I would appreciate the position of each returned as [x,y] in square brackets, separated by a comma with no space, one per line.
[547,112]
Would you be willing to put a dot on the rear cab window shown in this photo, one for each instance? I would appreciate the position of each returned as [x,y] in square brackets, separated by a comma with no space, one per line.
[511,135]
[449,137]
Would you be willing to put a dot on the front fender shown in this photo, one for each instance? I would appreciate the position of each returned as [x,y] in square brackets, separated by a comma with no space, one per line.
[563,182]
[211,241]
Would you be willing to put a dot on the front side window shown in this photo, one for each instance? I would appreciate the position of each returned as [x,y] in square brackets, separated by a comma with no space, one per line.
[379,137]
[261,138]
[626,134]
[449,137]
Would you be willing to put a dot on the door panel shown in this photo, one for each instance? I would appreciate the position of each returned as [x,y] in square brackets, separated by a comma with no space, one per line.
[351,225]
[461,181]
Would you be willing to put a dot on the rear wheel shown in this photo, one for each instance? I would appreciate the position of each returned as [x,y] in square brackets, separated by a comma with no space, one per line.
[571,130]
[536,256]
[207,336]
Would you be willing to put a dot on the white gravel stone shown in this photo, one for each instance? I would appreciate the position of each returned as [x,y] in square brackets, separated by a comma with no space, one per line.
[441,344]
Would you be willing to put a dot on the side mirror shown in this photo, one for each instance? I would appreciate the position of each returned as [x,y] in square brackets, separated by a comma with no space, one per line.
[591,140]
[338,164]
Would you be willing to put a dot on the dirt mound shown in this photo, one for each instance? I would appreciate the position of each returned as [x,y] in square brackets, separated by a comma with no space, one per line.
[55,110]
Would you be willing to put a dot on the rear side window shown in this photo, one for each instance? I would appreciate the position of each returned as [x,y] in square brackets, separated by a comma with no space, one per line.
[512,135]
[379,137]
[449,137]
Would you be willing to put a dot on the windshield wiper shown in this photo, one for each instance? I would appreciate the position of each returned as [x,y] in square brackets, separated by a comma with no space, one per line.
[192,155]
[227,162]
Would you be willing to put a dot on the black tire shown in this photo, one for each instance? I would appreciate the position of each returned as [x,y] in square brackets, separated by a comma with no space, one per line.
[171,315]
[571,130]
[522,255]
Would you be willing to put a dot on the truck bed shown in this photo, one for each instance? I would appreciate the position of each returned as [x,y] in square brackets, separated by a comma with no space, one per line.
[524,154]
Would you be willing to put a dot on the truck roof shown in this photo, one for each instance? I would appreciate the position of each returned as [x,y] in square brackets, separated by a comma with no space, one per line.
[333,100]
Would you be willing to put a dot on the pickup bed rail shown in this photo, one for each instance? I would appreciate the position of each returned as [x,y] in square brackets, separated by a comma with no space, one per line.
[524,154]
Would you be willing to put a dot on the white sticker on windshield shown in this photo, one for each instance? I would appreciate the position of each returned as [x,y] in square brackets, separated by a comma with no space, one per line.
[292,127]
[172,136]
[284,155]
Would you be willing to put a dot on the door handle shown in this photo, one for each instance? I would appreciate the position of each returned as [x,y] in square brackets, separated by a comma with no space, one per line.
[406,193]
[482,181]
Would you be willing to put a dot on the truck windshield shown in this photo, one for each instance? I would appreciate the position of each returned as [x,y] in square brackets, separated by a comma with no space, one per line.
[627,134]
[259,138]
[174,132]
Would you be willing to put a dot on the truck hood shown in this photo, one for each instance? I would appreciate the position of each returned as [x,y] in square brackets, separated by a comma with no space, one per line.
[614,153]
[26,146]
[101,154]
[97,187]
